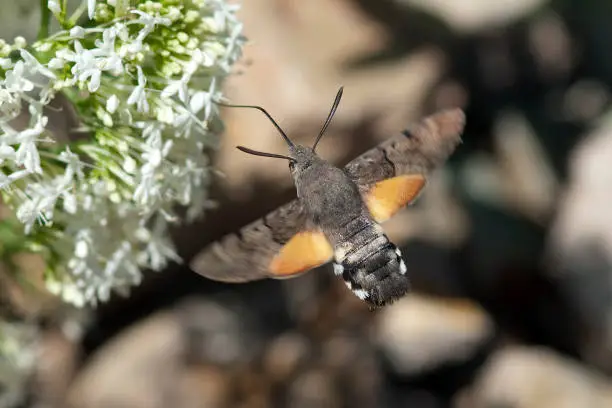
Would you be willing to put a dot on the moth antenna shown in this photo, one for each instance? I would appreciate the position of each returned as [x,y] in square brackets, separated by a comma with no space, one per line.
[265,112]
[264,154]
[332,112]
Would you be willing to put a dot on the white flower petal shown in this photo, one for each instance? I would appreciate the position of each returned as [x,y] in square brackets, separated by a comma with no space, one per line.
[54,6]
[94,82]
[35,65]
[77,32]
[112,104]
[91,8]
[198,100]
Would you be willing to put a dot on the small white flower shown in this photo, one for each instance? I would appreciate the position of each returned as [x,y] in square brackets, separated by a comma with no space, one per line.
[146,189]
[74,166]
[70,202]
[6,181]
[11,136]
[46,94]
[198,57]
[129,165]
[151,133]
[126,116]
[81,249]
[175,86]
[6,63]
[15,81]
[27,154]
[112,104]
[20,42]
[39,205]
[85,65]
[121,31]
[159,249]
[68,291]
[35,65]
[77,32]
[165,113]
[199,100]
[6,152]
[138,95]
[56,63]
[116,259]
[91,8]
[54,6]
[149,22]
[10,102]
[108,58]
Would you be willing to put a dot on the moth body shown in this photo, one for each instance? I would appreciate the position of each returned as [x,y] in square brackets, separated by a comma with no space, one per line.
[338,212]
[371,266]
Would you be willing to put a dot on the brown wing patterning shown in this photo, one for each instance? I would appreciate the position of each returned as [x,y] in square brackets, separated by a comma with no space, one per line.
[415,151]
[246,255]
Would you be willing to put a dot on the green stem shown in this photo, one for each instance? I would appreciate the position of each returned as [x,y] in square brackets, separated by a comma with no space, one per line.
[45,15]
[77,14]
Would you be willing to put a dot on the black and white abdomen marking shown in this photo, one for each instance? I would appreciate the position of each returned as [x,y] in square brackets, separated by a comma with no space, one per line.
[371,266]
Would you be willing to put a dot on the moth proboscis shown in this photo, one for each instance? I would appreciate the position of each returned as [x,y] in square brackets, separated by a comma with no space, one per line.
[337,213]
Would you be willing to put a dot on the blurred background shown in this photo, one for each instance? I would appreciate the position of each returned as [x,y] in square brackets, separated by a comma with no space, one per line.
[509,247]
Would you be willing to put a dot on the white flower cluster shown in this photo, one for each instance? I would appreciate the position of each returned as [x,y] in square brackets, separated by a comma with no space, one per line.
[141,78]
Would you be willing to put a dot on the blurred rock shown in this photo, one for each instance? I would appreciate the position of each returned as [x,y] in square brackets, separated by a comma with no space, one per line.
[313,389]
[285,355]
[420,333]
[358,373]
[474,15]
[57,360]
[162,360]
[530,184]
[519,177]
[584,213]
[585,101]
[217,332]
[580,241]
[202,386]
[524,377]
[22,289]
[140,368]
[552,47]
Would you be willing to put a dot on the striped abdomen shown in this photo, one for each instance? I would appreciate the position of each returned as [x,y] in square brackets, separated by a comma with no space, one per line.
[371,266]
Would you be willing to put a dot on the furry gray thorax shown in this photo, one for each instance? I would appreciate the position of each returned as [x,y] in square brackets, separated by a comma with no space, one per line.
[371,266]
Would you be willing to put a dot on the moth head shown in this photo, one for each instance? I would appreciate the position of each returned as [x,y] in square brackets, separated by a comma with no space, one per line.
[299,157]
[302,158]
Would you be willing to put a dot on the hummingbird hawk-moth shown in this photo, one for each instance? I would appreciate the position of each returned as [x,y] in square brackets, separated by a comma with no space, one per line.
[337,213]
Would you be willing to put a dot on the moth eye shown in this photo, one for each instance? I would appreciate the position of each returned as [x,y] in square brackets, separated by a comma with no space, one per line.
[291,165]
